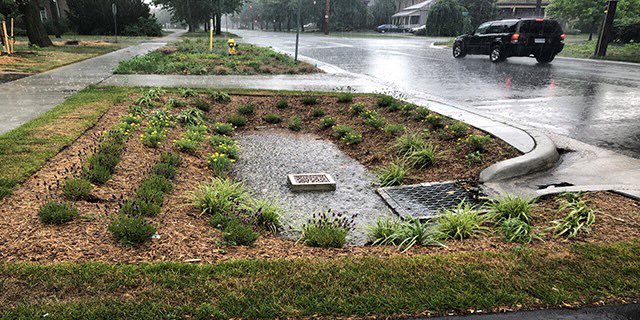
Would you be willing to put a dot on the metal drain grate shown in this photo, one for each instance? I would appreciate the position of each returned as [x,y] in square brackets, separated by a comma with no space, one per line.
[311,182]
[425,200]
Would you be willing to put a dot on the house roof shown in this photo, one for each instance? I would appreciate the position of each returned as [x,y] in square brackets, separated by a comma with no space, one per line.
[405,13]
[418,6]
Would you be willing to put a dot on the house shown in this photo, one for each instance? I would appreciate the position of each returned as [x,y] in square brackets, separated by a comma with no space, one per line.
[47,7]
[412,16]
[520,8]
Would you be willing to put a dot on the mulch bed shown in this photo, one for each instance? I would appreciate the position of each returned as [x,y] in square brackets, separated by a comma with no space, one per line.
[185,235]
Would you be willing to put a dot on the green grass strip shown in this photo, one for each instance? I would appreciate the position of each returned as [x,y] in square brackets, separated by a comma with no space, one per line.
[337,287]
[25,149]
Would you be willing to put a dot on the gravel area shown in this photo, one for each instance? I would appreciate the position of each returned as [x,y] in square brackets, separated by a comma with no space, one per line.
[267,157]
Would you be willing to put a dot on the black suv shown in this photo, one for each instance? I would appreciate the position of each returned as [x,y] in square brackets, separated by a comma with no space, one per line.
[542,38]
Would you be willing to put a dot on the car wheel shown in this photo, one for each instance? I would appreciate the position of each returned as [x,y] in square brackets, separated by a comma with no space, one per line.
[545,58]
[497,54]
[459,51]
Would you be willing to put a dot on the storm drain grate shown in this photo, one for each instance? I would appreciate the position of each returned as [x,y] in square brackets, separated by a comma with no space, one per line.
[424,201]
[311,182]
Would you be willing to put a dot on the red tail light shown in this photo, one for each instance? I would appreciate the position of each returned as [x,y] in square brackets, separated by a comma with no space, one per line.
[515,37]
[562,37]
[539,20]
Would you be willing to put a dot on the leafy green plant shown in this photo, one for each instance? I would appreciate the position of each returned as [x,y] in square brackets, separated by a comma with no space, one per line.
[295,124]
[191,117]
[219,221]
[345,97]
[98,174]
[187,145]
[478,143]
[516,230]
[131,230]
[165,170]
[405,234]
[220,97]
[202,105]
[510,206]
[220,163]
[457,129]
[246,109]
[351,138]
[218,140]
[237,120]
[327,122]
[327,230]
[358,108]
[309,100]
[373,119]
[394,107]
[385,101]
[57,213]
[392,174]
[175,103]
[436,121]
[475,157]
[102,163]
[342,130]
[272,118]
[579,219]
[141,207]
[230,149]
[282,104]
[318,112]
[394,129]
[152,137]
[236,233]
[220,196]
[382,230]
[171,158]
[409,142]
[223,128]
[462,222]
[420,114]
[422,158]
[77,189]
[266,214]
[188,93]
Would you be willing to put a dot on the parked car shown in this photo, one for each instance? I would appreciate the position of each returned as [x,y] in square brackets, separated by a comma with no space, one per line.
[311,27]
[542,38]
[419,31]
[389,28]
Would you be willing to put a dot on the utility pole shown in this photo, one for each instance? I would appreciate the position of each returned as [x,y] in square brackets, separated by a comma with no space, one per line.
[298,29]
[607,25]
[114,10]
[326,17]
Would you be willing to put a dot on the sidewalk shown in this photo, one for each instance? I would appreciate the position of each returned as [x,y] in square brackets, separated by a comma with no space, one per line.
[27,98]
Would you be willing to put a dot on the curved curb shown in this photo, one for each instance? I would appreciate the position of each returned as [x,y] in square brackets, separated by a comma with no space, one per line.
[543,156]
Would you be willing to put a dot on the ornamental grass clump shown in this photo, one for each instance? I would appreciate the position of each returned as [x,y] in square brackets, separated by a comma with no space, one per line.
[327,122]
[237,120]
[223,128]
[57,213]
[477,142]
[421,158]
[220,97]
[409,142]
[191,117]
[272,118]
[175,103]
[460,223]
[510,206]
[295,124]
[282,104]
[403,234]
[345,97]
[131,230]
[318,112]
[220,196]
[517,231]
[392,174]
[188,93]
[246,109]
[220,163]
[327,230]
[77,189]
[579,219]
[309,100]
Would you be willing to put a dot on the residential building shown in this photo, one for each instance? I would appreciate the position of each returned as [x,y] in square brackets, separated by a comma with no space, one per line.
[414,15]
[519,8]
[47,7]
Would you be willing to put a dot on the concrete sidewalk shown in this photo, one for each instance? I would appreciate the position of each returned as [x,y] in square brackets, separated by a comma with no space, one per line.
[27,98]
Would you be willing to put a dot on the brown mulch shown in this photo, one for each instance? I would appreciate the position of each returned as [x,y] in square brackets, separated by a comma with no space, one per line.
[186,236]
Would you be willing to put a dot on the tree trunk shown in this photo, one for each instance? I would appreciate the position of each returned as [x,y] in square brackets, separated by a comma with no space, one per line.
[219,23]
[35,29]
[56,19]
[190,17]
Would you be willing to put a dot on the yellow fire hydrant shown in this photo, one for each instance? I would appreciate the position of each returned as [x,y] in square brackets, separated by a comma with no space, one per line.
[232,47]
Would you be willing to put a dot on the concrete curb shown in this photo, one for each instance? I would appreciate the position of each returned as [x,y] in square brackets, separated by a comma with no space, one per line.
[543,156]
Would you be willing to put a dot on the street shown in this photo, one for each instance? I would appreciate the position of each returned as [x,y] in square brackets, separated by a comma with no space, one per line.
[590,101]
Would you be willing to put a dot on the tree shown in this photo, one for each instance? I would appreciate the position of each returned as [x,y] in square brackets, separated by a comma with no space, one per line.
[195,12]
[445,18]
[479,11]
[95,17]
[382,10]
[36,32]
[585,12]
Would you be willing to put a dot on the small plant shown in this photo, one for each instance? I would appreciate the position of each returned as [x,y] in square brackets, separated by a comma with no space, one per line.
[230,149]
[175,103]
[202,105]
[295,124]
[220,163]
[408,108]
[318,112]
[327,230]
[219,221]
[327,122]
[373,119]
[220,97]
[436,121]
[131,231]
[478,143]
[188,93]
[516,230]
[383,230]
[196,133]
[422,158]
[220,196]
[475,157]
[247,109]
[266,214]
[142,207]
[421,114]
[385,101]
[394,129]
[459,223]
[579,219]
[191,117]
[57,213]
[272,118]
[358,108]
[218,140]
[237,120]
[394,107]
[282,104]
[409,142]
[98,174]
[509,206]
[77,189]
[152,137]
[352,137]
[404,234]
[223,128]
[392,174]
[170,158]
[457,129]
[236,233]
[309,100]
[345,97]
[342,130]
[165,170]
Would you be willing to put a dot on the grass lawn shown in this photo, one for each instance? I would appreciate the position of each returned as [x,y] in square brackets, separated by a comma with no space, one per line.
[36,60]
[616,52]
[192,57]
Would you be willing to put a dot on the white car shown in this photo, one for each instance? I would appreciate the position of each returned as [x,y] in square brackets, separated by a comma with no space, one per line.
[311,27]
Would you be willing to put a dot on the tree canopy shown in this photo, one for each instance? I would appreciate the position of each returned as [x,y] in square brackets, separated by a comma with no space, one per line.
[445,18]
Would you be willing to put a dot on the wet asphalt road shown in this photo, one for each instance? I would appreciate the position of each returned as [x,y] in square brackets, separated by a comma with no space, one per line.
[597,103]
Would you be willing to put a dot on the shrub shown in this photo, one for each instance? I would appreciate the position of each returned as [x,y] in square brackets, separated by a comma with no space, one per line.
[142,207]
[434,120]
[130,230]
[474,158]
[171,158]
[188,93]
[327,230]
[327,122]
[191,117]
[266,214]
[309,100]
[352,137]
[373,119]
[145,26]
[392,174]
[409,142]
[175,103]
[218,140]
[345,97]
[458,129]
[342,130]
[579,219]
[247,109]
[220,97]
[165,170]
[295,124]
[421,114]
[220,163]
[408,108]
[272,118]
[394,129]
[98,174]
[223,128]
[237,120]
[282,104]
[460,223]
[358,108]
[152,137]
[318,112]
[202,105]
[478,143]
[516,230]
[153,187]
[236,233]
[77,189]
[385,101]
[220,196]
[57,213]
[230,149]
[510,207]
[422,158]
[187,145]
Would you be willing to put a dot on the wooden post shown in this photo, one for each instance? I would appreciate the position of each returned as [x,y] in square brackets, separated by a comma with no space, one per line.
[211,34]
[5,37]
